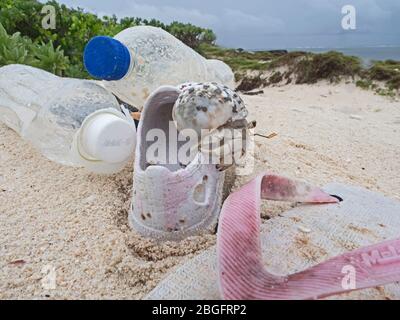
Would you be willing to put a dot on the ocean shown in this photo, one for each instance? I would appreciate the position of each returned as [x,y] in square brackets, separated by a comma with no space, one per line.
[367,54]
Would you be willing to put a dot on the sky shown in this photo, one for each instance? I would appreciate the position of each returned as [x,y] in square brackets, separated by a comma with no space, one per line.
[269,24]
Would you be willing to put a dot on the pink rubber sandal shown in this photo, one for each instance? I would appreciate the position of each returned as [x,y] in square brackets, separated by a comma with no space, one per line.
[240,267]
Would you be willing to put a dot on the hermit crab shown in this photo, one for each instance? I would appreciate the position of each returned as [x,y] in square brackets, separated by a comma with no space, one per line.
[218,115]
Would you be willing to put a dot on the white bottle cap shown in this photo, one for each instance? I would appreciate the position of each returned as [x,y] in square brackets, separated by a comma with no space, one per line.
[108,138]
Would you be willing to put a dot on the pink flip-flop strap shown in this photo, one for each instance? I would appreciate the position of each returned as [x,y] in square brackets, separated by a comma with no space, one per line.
[241,271]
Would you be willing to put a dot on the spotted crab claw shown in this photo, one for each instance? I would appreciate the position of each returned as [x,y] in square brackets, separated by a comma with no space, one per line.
[242,274]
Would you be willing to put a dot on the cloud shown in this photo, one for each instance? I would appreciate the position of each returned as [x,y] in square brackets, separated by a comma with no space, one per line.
[249,21]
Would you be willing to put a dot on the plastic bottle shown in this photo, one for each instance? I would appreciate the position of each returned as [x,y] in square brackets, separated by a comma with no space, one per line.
[140,59]
[222,72]
[70,121]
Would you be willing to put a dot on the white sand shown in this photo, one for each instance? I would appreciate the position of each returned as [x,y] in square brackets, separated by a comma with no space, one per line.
[76,222]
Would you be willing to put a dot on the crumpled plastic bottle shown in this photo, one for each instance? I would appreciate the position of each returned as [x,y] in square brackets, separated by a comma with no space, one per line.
[140,59]
[70,121]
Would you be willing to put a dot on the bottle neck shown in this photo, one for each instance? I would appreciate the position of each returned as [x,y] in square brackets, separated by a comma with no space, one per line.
[136,62]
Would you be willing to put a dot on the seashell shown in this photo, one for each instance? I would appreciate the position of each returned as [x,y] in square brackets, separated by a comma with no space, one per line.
[207,106]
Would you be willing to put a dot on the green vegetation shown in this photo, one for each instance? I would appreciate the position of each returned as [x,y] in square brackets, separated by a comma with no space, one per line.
[23,40]
[303,67]
[386,92]
[387,71]
[331,66]
[307,67]
[248,83]
[276,77]
[239,60]
[17,49]
[364,84]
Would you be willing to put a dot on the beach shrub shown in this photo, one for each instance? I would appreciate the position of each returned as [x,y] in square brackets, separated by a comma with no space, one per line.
[238,60]
[51,59]
[276,77]
[251,82]
[387,71]
[212,51]
[290,59]
[191,35]
[384,70]
[364,84]
[17,49]
[386,92]
[394,83]
[311,67]
[331,66]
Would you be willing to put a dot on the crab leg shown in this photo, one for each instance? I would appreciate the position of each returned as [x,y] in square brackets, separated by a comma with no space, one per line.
[241,271]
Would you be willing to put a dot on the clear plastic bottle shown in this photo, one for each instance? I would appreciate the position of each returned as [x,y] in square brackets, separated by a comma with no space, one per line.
[140,59]
[70,121]
[221,72]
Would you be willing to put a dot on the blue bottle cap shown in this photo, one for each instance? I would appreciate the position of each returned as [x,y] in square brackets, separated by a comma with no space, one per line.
[106,58]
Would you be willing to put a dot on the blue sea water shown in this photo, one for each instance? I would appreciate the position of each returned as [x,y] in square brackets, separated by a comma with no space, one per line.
[367,54]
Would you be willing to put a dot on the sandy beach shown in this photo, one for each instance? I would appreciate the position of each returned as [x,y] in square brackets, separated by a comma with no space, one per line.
[75,223]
